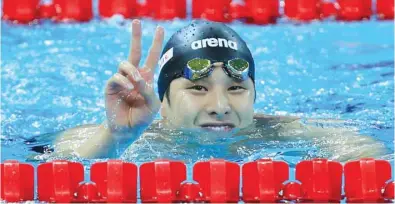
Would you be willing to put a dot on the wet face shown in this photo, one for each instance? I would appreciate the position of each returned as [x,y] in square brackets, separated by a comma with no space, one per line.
[214,103]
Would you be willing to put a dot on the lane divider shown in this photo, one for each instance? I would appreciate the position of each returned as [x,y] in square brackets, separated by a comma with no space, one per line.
[251,11]
[215,180]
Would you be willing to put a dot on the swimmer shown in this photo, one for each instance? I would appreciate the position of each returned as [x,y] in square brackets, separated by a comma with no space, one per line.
[206,85]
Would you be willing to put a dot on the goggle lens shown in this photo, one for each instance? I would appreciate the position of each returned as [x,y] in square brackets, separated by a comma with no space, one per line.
[238,64]
[199,65]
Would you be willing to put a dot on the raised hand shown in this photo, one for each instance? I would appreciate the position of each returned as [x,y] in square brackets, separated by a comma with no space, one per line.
[131,102]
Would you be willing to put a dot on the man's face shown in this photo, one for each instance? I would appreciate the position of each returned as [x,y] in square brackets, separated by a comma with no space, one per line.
[215,103]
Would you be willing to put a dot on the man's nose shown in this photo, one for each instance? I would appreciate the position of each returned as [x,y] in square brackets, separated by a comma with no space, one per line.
[218,105]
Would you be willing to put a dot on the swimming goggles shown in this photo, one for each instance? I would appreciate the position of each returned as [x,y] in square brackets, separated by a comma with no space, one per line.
[198,68]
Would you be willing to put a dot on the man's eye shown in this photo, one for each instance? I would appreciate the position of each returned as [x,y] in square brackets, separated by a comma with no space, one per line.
[236,88]
[198,88]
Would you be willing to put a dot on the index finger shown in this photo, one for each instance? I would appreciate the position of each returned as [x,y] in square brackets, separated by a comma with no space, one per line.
[135,44]
[155,50]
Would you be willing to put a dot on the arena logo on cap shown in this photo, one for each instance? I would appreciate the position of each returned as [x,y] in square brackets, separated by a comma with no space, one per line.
[213,42]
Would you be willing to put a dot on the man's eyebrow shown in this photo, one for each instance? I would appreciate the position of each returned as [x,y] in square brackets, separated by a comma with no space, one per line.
[238,81]
[196,82]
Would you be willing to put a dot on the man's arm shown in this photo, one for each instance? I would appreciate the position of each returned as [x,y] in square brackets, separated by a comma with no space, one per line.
[340,143]
[91,141]
[87,141]
[337,141]
[131,105]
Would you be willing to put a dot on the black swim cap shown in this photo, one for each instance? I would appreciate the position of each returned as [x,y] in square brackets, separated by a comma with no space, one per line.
[200,39]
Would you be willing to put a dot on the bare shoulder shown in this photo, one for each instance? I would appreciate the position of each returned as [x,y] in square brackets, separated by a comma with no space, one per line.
[270,124]
[285,125]
[262,119]
[296,122]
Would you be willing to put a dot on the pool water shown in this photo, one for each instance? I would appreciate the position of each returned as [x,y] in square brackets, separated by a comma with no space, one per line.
[53,78]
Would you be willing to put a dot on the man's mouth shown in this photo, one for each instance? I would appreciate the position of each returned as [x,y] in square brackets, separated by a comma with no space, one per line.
[218,127]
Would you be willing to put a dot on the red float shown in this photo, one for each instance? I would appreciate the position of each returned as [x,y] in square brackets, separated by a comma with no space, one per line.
[190,193]
[308,10]
[364,180]
[87,192]
[168,9]
[182,8]
[57,181]
[17,181]
[290,8]
[237,11]
[218,10]
[328,9]
[47,11]
[219,180]
[263,180]
[302,10]
[141,10]
[126,8]
[160,180]
[116,181]
[389,191]
[262,12]
[353,10]
[385,9]
[367,8]
[73,10]
[292,191]
[198,7]
[21,11]
[321,180]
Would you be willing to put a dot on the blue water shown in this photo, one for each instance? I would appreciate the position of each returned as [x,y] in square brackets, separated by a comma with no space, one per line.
[53,78]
